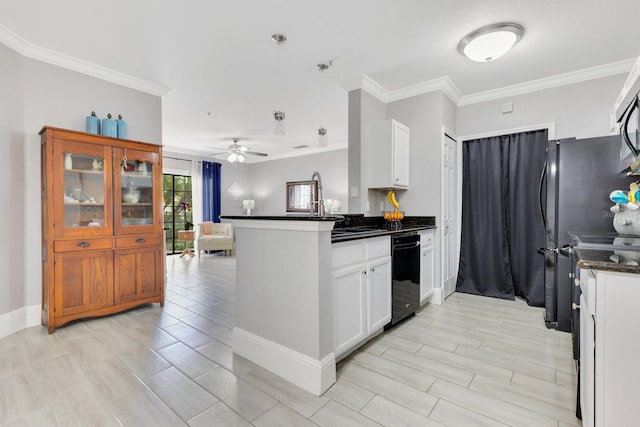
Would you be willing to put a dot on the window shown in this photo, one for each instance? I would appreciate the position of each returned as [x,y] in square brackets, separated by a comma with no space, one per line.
[177,209]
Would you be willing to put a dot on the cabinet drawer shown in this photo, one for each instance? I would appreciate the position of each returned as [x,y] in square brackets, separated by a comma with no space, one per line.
[378,247]
[136,241]
[588,287]
[426,237]
[76,245]
[347,253]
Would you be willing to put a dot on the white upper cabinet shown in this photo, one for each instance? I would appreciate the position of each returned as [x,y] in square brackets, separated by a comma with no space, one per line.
[387,159]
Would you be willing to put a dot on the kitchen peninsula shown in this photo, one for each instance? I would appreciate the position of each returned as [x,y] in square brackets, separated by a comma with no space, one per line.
[284,294]
[609,279]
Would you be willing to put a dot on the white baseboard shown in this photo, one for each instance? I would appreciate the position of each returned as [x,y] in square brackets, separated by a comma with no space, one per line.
[314,376]
[436,297]
[19,319]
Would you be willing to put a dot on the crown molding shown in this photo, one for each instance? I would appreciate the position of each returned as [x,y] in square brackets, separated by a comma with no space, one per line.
[612,69]
[443,84]
[446,85]
[30,50]
[375,89]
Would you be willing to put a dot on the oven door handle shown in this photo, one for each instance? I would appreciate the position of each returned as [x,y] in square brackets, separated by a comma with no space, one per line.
[405,246]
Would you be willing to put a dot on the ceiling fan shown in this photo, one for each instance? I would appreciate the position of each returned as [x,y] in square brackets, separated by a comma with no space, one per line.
[237,152]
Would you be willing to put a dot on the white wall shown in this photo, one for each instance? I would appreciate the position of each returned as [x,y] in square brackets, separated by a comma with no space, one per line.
[12,175]
[37,94]
[579,110]
[424,115]
[269,179]
[240,174]
[265,181]
[364,109]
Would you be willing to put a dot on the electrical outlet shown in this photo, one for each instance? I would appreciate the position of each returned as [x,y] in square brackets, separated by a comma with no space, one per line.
[354,191]
[368,207]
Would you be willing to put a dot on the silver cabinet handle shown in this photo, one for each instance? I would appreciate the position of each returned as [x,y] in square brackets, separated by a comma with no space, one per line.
[373,269]
[578,282]
[575,306]
[84,244]
[140,240]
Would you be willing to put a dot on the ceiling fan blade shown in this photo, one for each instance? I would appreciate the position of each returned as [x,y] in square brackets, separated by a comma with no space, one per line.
[254,153]
[216,148]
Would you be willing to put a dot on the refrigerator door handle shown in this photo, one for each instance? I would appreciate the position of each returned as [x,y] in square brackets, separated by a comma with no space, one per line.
[565,251]
[543,175]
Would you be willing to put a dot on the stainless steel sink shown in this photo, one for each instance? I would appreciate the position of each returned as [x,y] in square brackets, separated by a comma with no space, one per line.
[349,231]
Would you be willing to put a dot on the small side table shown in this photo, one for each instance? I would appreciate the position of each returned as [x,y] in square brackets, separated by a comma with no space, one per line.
[186,236]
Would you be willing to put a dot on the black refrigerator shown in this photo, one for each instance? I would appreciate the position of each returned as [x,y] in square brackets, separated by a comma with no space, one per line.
[575,184]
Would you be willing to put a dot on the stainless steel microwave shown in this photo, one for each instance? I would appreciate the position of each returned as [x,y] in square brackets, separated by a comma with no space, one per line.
[629,132]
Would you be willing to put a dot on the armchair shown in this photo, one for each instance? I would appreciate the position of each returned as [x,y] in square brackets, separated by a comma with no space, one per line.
[214,237]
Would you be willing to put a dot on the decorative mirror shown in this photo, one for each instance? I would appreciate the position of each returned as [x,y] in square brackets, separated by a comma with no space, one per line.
[302,196]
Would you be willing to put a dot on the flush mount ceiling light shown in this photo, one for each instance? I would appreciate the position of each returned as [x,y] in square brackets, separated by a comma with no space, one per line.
[491,42]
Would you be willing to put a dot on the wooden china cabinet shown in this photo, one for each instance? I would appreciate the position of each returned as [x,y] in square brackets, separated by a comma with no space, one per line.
[101,225]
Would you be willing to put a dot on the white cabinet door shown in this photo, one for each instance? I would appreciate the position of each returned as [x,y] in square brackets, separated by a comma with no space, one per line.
[587,364]
[401,155]
[349,306]
[427,273]
[378,294]
[387,155]
[617,374]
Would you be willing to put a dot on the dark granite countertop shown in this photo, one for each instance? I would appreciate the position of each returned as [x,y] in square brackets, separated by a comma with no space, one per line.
[376,225]
[378,233]
[601,259]
[348,220]
[284,217]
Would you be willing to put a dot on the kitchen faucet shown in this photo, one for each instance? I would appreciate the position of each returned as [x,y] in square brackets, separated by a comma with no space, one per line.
[320,201]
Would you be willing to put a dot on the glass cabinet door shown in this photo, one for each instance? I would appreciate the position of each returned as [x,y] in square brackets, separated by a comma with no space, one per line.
[135,194]
[82,196]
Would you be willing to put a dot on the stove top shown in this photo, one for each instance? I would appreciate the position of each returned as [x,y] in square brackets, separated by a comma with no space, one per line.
[607,241]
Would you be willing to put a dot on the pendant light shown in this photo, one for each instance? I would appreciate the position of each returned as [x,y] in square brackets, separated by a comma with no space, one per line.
[279,115]
[322,131]
[490,42]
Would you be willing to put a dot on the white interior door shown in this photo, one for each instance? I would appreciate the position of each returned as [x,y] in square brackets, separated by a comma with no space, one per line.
[449,208]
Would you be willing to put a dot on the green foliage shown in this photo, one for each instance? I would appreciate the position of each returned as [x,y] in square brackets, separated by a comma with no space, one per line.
[176,191]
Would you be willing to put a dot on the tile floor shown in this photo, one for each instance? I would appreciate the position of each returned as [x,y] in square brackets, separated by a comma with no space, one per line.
[472,362]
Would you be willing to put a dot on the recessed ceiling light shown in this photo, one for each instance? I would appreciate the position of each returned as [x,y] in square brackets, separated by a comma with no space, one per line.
[491,42]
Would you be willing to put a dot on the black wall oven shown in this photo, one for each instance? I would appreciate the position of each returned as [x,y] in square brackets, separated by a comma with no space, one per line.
[405,272]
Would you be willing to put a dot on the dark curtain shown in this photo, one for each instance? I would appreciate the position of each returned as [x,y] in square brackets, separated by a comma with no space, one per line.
[211,191]
[501,223]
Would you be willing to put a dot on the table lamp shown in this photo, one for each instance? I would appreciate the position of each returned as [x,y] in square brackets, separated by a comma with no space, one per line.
[248,205]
